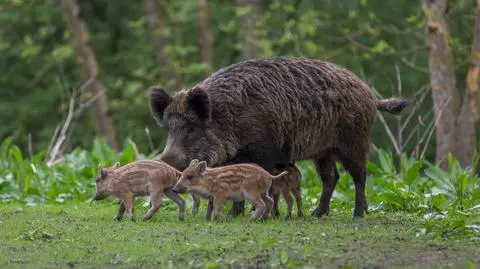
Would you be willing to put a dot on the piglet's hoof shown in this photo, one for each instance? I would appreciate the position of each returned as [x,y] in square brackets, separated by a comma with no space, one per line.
[181,218]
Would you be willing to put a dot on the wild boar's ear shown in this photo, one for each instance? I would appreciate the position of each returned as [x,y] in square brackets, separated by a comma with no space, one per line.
[199,101]
[201,167]
[117,164]
[159,101]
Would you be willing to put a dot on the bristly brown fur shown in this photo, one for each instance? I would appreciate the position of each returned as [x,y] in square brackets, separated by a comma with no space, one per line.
[275,111]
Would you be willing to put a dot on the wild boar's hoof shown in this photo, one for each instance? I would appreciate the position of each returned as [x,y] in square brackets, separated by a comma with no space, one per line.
[319,212]
[181,218]
[119,218]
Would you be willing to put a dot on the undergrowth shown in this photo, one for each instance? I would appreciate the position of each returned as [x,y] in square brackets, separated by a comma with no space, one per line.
[448,201]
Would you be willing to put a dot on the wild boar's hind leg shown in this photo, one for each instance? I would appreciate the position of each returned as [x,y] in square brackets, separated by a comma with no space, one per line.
[328,172]
[179,201]
[156,202]
[358,173]
[121,210]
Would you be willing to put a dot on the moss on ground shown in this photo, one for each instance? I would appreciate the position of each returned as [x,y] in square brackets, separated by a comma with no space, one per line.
[87,236]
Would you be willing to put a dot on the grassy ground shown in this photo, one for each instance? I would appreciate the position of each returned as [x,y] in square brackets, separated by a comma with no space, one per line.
[87,236]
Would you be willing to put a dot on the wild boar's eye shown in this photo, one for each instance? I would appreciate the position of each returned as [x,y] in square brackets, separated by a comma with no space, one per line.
[190,130]
[189,177]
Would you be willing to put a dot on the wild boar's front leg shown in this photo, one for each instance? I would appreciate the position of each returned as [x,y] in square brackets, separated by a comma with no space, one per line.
[179,201]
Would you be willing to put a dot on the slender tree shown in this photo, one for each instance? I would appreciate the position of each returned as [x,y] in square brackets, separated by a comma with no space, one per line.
[247,27]
[156,14]
[205,37]
[456,117]
[89,70]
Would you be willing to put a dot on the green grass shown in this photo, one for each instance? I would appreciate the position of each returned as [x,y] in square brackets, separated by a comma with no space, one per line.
[87,236]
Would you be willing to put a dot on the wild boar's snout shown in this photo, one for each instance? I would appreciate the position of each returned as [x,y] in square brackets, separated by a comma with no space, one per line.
[174,157]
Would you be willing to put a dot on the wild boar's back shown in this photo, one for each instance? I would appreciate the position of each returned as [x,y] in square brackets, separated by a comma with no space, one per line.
[304,106]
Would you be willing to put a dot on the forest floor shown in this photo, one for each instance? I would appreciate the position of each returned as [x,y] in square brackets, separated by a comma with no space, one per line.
[79,235]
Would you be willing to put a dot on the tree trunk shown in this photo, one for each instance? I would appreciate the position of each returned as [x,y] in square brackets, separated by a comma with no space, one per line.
[470,112]
[205,38]
[89,70]
[247,25]
[455,130]
[156,14]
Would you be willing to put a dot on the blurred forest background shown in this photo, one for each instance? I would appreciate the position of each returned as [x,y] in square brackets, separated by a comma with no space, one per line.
[111,52]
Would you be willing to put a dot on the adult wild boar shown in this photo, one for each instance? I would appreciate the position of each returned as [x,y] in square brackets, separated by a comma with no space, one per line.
[272,112]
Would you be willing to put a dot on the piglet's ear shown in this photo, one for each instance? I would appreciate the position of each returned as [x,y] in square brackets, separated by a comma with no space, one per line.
[103,174]
[201,167]
[159,101]
[199,101]
[193,162]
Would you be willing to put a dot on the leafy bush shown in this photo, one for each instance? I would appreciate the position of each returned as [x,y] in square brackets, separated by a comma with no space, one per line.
[449,201]
[72,177]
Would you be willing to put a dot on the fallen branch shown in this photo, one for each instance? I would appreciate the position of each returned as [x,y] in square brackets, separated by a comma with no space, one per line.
[60,137]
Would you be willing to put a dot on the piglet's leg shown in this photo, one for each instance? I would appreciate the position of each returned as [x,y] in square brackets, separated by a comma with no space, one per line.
[179,201]
[298,200]
[121,210]
[259,208]
[289,200]
[268,205]
[128,202]
[208,214]
[217,204]
[156,202]
[196,204]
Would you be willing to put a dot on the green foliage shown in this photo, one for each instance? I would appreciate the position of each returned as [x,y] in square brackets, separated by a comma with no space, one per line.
[72,177]
[40,63]
[448,201]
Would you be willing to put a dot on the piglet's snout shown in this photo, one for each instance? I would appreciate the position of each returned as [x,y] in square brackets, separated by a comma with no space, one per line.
[179,188]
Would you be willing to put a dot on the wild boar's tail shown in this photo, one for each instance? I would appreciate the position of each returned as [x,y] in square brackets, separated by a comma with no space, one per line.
[392,105]
[280,175]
